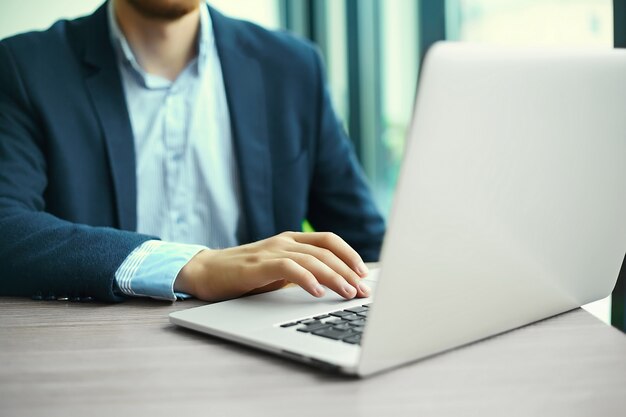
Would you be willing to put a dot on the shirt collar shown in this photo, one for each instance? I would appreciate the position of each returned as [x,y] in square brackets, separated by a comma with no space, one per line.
[125,55]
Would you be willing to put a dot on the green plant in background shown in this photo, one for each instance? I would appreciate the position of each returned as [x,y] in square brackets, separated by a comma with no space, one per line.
[306,227]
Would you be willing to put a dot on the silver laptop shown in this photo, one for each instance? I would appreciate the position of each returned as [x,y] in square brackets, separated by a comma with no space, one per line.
[511,208]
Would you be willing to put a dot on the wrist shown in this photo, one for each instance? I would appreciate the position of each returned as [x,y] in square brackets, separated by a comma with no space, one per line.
[186,279]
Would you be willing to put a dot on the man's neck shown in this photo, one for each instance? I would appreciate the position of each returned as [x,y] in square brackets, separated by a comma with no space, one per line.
[162,47]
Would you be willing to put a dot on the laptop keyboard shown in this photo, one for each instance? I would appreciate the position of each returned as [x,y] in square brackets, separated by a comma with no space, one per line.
[344,325]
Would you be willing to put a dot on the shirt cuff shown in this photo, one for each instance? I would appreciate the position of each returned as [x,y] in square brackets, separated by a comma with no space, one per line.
[151,269]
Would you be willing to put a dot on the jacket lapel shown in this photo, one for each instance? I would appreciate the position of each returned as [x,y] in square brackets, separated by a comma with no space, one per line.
[246,102]
[105,88]
[245,95]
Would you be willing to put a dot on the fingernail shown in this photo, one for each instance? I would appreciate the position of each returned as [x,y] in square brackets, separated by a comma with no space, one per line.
[319,290]
[362,269]
[364,288]
[349,290]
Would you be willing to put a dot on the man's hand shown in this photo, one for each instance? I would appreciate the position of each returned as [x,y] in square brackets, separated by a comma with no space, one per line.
[309,260]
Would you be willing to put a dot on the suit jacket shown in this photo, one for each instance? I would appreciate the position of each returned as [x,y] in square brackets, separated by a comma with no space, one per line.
[67,162]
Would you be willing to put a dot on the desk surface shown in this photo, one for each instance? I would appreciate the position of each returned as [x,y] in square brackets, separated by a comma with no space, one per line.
[62,358]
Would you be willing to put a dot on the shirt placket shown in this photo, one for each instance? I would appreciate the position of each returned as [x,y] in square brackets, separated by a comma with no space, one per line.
[175,150]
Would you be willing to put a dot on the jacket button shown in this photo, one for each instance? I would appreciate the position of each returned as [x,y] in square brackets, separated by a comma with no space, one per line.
[63,298]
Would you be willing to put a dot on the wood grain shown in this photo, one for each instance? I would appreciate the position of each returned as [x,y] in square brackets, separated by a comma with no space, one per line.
[61,358]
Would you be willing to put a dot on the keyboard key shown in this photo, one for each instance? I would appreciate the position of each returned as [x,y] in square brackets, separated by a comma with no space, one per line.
[332,333]
[340,313]
[358,309]
[354,339]
[346,325]
[359,322]
[313,327]
[368,305]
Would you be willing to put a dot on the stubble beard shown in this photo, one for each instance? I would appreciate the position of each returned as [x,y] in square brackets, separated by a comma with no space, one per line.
[164,9]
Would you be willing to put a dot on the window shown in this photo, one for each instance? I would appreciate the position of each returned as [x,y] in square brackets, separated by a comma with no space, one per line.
[399,69]
[537,22]
[336,56]
[23,16]
[16,16]
[262,12]
[372,55]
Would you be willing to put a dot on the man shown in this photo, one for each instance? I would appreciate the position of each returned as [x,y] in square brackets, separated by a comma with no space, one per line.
[165,119]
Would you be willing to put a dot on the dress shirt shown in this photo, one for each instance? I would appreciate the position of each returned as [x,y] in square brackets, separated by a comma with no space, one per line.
[187,179]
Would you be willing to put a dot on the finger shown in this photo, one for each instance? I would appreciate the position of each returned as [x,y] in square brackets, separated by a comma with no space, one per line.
[290,270]
[336,264]
[272,286]
[324,274]
[336,245]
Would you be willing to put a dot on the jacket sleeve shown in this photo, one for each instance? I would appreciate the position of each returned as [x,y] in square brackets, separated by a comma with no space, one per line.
[41,254]
[340,199]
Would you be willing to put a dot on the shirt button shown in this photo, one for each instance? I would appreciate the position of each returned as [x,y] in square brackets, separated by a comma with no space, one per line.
[177,156]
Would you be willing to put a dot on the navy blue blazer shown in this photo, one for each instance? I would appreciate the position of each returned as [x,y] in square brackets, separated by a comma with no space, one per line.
[67,162]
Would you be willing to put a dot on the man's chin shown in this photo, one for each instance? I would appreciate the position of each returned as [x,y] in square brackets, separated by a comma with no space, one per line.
[164,9]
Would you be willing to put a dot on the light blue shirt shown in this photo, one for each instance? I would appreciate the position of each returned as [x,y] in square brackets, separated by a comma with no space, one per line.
[187,179]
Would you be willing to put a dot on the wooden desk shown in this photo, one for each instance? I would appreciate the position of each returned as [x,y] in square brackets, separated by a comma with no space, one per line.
[61,359]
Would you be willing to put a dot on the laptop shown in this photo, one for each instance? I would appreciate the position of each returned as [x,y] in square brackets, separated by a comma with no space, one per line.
[510,208]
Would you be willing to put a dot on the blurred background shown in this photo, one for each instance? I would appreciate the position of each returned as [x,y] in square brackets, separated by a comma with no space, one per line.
[373,50]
